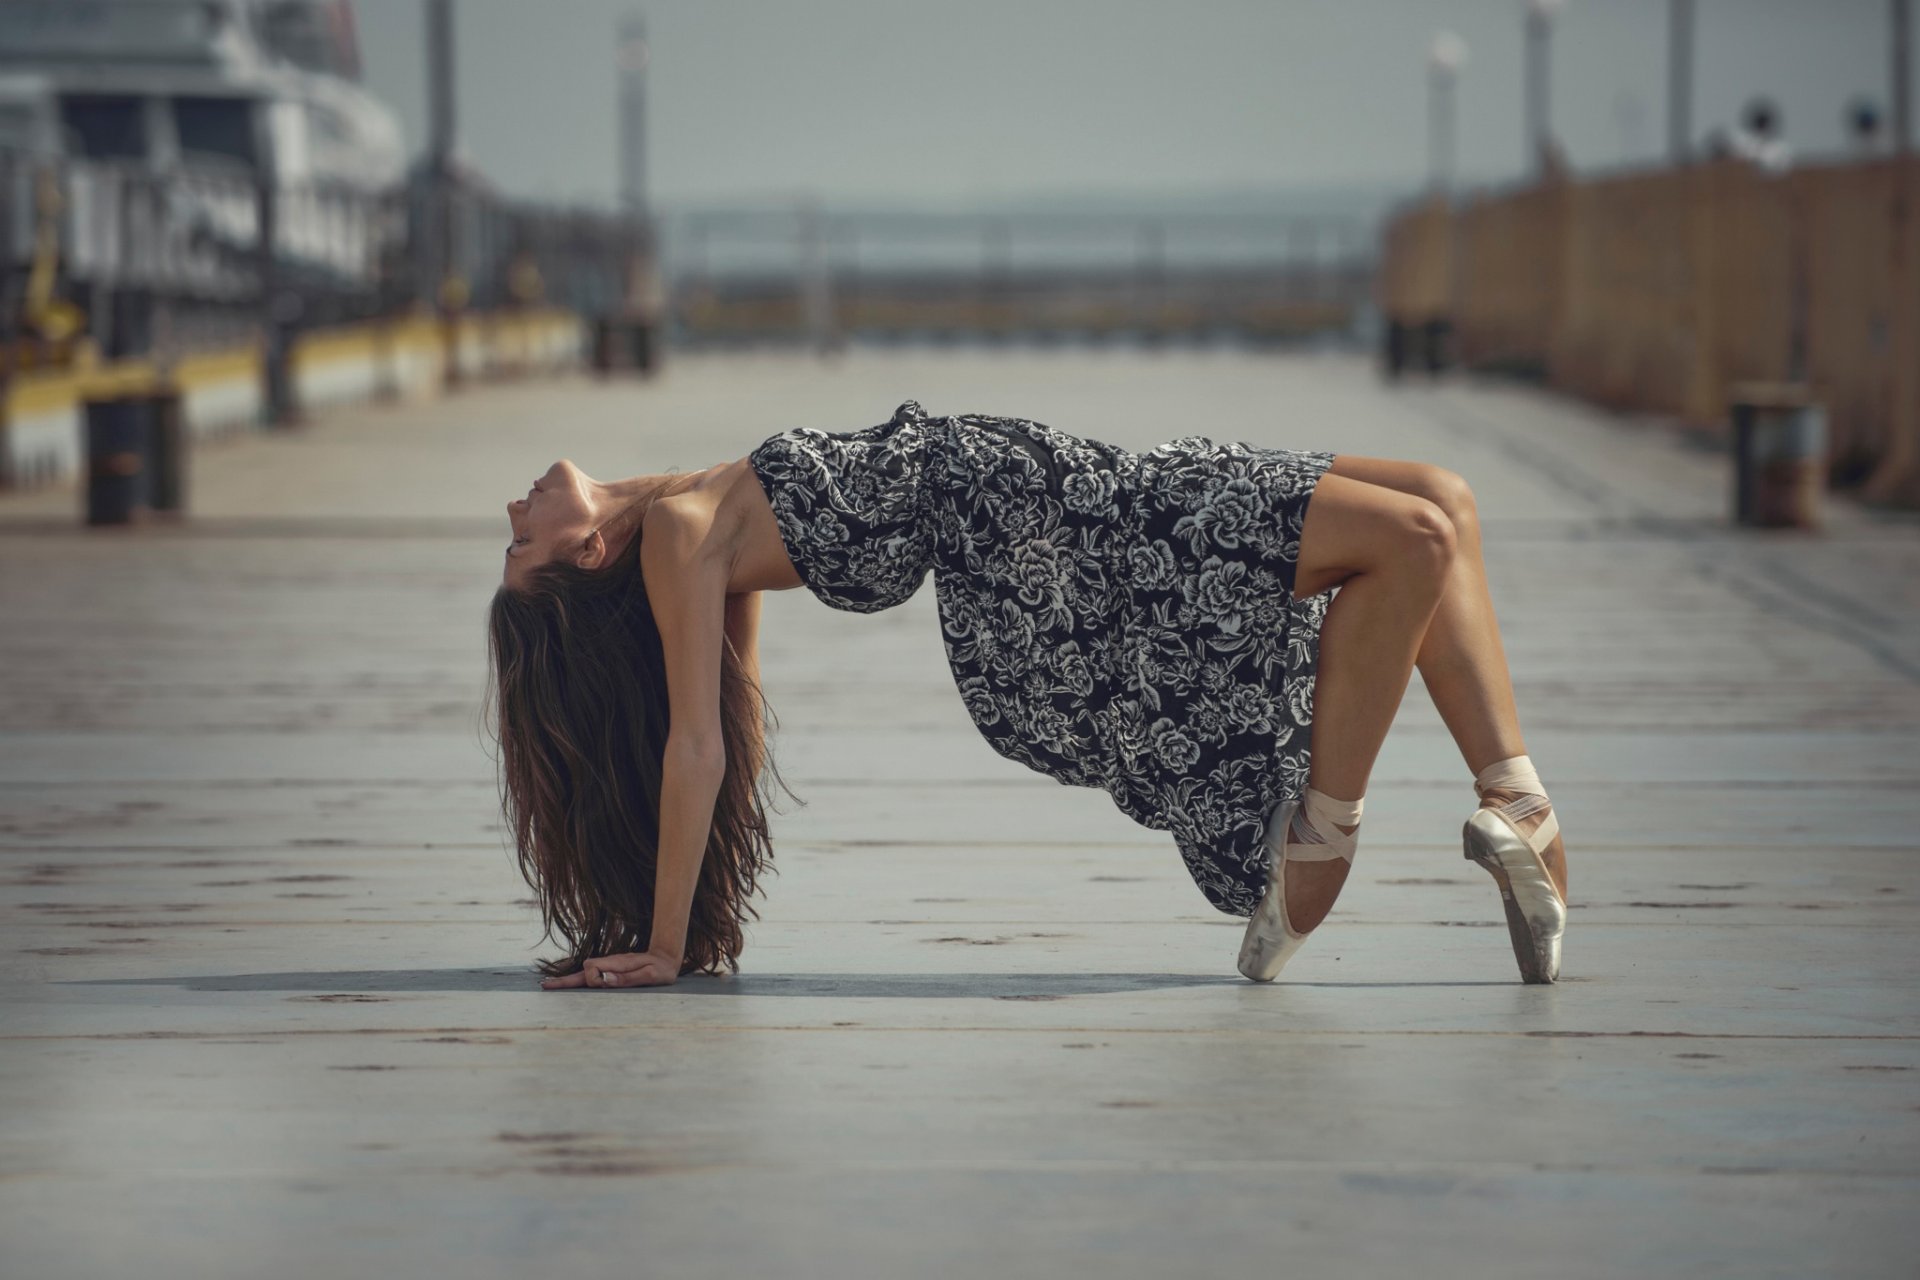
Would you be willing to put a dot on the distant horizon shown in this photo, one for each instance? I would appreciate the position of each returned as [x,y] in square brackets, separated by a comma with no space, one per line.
[1224,199]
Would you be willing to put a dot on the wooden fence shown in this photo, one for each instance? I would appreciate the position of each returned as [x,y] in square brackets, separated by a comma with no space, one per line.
[1661,290]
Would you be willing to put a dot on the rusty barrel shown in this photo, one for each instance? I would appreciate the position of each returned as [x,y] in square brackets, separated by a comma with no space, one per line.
[1779,456]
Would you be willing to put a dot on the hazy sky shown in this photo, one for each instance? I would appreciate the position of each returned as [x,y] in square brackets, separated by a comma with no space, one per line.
[915,102]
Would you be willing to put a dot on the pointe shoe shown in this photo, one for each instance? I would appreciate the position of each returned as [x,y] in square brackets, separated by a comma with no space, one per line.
[1536,913]
[1271,939]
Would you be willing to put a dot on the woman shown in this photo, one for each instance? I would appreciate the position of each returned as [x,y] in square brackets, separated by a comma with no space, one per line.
[1161,625]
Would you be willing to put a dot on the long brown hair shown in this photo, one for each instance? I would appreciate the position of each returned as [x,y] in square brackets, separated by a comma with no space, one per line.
[578,706]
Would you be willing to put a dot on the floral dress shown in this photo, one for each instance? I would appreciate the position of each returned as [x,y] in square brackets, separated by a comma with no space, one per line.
[1113,619]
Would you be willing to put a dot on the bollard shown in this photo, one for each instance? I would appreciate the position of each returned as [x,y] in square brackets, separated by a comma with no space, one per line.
[1394,354]
[606,339]
[1779,456]
[1436,345]
[118,433]
[645,347]
[624,344]
[167,453]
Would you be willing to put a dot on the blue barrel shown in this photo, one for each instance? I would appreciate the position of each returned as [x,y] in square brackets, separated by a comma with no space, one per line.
[118,442]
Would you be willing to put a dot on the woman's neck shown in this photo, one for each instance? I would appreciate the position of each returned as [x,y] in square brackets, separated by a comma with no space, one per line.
[621,505]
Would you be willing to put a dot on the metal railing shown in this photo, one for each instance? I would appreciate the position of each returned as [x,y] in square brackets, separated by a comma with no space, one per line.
[748,275]
[135,257]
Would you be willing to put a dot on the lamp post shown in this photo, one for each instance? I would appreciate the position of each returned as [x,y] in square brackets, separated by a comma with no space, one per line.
[633,57]
[1444,59]
[1539,104]
[1679,80]
[1900,13]
[445,256]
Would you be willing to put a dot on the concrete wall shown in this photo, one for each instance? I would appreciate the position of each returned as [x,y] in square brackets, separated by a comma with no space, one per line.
[42,415]
[1664,289]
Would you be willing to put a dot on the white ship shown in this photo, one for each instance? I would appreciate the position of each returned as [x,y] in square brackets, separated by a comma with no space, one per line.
[200,100]
[171,81]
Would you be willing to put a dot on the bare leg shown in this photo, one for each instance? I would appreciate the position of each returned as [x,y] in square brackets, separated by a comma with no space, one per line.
[1389,553]
[1461,660]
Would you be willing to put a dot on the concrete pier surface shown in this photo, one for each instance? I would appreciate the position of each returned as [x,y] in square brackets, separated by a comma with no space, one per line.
[268,1007]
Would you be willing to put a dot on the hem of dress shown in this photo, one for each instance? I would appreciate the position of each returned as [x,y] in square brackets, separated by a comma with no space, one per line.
[1324,458]
[1308,623]
[788,542]
[1314,621]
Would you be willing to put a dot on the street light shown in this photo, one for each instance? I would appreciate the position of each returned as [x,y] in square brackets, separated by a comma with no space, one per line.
[1679,81]
[1444,59]
[1539,105]
[632,55]
[1901,72]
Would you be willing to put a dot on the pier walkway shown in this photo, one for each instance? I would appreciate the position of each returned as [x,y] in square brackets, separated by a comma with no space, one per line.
[267,1005]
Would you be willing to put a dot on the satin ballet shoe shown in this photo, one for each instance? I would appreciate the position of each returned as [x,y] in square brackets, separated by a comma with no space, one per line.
[1536,913]
[1271,939]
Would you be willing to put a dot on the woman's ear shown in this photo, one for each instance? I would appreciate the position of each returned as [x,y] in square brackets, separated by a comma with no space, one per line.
[593,552]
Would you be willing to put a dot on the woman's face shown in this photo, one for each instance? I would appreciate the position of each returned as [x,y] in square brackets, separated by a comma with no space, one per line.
[553,518]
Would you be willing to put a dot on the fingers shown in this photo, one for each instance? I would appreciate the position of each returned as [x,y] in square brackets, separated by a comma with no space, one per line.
[606,972]
[617,971]
[608,980]
[650,973]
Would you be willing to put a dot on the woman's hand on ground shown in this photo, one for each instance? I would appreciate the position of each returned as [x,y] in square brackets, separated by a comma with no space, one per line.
[628,969]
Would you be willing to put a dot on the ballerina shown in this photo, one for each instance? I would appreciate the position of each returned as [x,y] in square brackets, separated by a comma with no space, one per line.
[1215,634]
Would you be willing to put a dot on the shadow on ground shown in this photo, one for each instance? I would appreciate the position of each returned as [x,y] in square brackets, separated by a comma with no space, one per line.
[845,986]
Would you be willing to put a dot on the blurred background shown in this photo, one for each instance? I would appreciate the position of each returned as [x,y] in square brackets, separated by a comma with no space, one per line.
[268,205]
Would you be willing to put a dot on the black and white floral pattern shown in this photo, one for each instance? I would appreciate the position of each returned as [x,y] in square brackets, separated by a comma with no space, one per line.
[1113,619]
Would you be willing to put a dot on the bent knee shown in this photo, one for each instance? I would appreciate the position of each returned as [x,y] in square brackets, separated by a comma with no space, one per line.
[1449,491]
[1427,534]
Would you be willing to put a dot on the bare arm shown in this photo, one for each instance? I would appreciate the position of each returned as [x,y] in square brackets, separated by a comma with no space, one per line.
[686,572]
[743,633]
